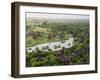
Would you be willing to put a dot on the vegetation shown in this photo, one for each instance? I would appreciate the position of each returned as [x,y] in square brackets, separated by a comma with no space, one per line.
[43,31]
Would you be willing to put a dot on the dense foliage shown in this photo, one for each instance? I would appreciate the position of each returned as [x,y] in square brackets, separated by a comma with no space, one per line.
[48,31]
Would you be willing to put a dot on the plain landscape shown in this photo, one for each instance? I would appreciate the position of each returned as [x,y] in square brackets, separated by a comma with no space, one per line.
[54,40]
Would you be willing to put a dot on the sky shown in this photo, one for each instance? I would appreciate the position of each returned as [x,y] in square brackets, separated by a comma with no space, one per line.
[60,16]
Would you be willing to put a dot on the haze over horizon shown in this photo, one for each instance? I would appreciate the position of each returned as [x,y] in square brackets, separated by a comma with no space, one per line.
[56,16]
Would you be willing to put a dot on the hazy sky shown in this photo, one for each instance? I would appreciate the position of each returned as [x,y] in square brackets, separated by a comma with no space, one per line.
[51,16]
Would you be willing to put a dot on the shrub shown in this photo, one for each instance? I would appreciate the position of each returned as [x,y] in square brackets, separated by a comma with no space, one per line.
[43,48]
[37,49]
[59,46]
[55,47]
[47,47]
